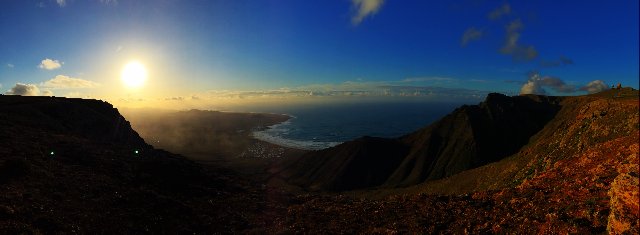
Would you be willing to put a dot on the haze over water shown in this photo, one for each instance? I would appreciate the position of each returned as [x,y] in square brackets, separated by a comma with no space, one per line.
[324,125]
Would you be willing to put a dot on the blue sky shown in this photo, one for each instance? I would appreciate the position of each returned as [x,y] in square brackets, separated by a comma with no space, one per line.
[202,46]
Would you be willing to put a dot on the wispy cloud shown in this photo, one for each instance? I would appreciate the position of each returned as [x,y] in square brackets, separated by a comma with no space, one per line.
[10,66]
[109,2]
[500,11]
[512,46]
[61,3]
[562,61]
[175,98]
[402,88]
[429,79]
[50,64]
[66,82]
[471,34]
[364,8]
[24,89]
[519,82]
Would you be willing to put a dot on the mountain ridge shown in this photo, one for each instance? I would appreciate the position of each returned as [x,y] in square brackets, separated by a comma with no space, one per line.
[579,174]
[468,137]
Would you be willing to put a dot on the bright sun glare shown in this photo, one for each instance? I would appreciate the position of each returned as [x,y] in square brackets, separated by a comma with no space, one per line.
[134,74]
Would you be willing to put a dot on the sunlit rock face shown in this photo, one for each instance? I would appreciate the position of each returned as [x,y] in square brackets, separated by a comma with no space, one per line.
[623,218]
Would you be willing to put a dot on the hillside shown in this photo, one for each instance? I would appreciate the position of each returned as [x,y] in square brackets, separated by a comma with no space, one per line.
[469,137]
[579,174]
[360,163]
[76,166]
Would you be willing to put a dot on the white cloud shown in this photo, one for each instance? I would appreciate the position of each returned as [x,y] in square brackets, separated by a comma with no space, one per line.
[61,3]
[50,64]
[11,65]
[536,83]
[595,87]
[365,8]
[66,82]
[24,89]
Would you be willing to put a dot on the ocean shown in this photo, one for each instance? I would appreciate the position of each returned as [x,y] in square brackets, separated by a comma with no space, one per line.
[321,126]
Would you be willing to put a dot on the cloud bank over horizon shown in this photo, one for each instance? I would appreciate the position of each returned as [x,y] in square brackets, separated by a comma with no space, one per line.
[536,84]
[24,90]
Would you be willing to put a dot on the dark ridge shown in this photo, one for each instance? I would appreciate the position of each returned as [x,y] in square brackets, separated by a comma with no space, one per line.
[361,163]
[76,166]
[469,137]
[92,119]
[473,136]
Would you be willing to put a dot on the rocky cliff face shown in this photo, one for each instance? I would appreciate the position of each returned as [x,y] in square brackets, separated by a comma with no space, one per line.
[469,137]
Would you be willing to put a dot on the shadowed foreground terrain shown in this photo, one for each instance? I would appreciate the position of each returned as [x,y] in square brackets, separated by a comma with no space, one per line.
[71,166]
[573,170]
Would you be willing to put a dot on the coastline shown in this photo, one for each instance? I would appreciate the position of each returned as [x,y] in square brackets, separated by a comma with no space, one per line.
[306,145]
[211,135]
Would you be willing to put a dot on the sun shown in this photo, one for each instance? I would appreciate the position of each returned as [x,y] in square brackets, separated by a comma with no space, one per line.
[134,74]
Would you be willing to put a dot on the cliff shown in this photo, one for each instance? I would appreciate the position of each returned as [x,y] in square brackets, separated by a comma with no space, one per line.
[94,120]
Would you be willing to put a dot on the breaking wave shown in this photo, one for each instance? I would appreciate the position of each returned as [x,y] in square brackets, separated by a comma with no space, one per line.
[274,134]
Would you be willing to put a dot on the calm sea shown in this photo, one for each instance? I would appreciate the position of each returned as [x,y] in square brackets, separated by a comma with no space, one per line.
[325,125]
